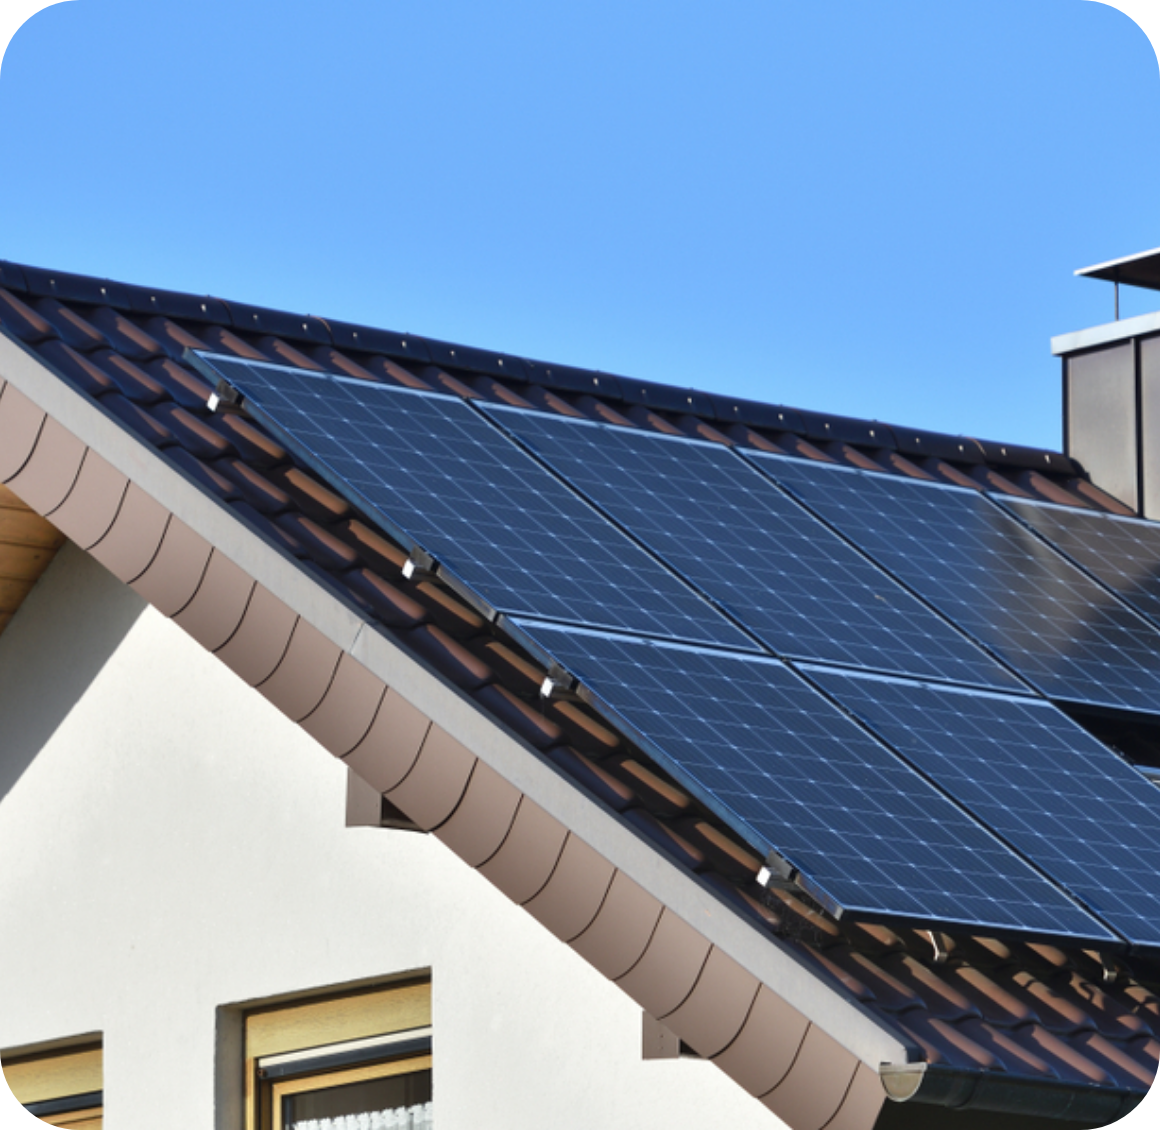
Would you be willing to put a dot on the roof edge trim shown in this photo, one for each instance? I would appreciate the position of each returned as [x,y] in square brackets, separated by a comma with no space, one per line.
[1122,330]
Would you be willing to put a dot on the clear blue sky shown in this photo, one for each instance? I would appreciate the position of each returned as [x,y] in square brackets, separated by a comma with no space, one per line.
[870,209]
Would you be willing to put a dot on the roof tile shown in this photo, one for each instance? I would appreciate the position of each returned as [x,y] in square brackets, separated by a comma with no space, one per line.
[322,546]
[575,891]
[77,369]
[22,321]
[597,781]
[942,999]
[517,715]
[317,501]
[528,856]
[262,494]
[172,338]
[125,336]
[254,446]
[194,435]
[74,330]
[188,390]
[390,605]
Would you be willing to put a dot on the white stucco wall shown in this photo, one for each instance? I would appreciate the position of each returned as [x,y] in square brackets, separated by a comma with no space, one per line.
[171,845]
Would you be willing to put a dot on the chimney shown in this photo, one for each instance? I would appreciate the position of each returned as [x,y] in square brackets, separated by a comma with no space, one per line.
[1111,391]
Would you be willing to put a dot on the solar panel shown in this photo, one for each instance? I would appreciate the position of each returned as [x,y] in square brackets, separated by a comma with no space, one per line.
[792,774]
[991,576]
[441,478]
[722,525]
[1123,553]
[1030,774]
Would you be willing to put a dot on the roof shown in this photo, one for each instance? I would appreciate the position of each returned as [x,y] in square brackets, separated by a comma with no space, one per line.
[1140,269]
[104,429]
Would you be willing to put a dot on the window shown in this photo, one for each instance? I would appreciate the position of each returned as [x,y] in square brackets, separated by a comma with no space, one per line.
[61,1085]
[356,1061]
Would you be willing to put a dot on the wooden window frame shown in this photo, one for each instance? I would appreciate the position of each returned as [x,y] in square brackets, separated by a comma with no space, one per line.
[61,1084]
[333,1039]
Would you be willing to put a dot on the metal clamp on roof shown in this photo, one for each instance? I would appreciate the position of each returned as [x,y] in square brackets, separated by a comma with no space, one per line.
[419,565]
[558,684]
[224,398]
[778,873]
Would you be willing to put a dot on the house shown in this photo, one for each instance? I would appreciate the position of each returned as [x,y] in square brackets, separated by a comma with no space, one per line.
[304,831]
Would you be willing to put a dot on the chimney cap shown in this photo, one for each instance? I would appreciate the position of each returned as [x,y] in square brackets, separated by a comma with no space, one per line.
[1141,269]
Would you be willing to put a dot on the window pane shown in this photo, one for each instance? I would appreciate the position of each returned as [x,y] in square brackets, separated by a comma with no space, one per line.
[399,1102]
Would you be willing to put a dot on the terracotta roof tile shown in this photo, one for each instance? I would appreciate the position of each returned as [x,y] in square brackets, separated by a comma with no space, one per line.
[73,330]
[173,339]
[390,605]
[77,369]
[191,433]
[449,657]
[254,446]
[944,1043]
[262,494]
[187,389]
[671,842]
[585,729]
[22,321]
[130,340]
[526,720]
[594,778]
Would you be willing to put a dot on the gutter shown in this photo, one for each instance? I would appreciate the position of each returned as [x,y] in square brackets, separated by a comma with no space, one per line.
[939,1085]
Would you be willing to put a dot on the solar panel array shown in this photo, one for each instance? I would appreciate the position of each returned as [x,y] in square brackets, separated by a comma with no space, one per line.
[1036,779]
[719,523]
[797,776]
[879,769]
[442,478]
[1123,553]
[991,576]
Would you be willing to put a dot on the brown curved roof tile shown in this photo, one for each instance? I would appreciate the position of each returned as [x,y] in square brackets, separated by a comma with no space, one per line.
[344,716]
[436,782]
[174,575]
[391,746]
[527,858]
[621,930]
[812,1092]
[216,609]
[483,818]
[571,898]
[299,683]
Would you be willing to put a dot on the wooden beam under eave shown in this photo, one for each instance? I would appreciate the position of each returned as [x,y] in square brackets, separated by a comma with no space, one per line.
[28,543]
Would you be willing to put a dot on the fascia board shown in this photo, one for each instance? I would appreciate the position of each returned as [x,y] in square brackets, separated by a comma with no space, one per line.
[765,957]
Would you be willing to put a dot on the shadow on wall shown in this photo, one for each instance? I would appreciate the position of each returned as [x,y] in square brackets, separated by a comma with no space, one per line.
[56,645]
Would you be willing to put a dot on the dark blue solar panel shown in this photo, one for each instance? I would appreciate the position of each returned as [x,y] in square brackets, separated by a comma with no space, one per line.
[439,475]
[995,579]
[791,773]
[1084,817]
[1123,553]
[721,524]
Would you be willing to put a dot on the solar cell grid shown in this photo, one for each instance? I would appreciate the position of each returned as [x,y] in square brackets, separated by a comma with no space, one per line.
[442,477]
[722,525]
[1123,553]
[789,772]
[1041,782]
[991,576]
